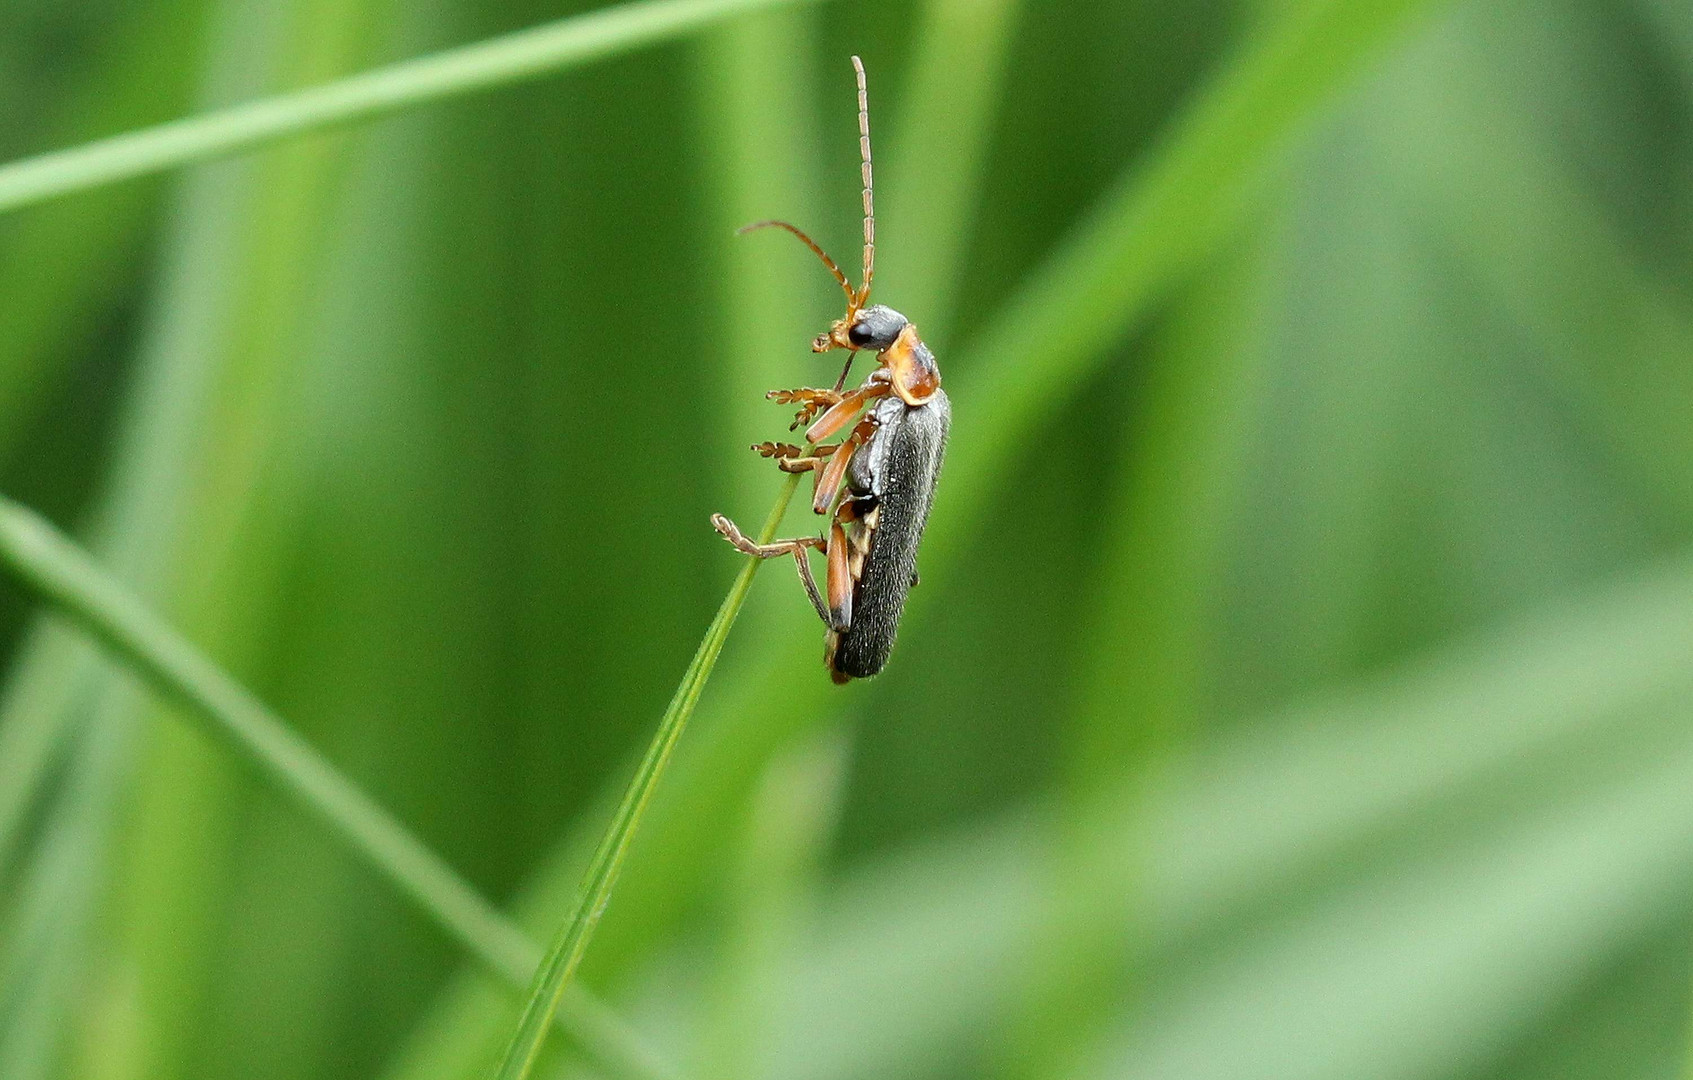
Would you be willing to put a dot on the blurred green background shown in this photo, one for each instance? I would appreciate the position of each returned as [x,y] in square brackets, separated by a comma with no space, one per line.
[1301,679]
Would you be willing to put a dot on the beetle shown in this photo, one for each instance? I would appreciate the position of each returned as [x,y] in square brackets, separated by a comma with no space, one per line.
[877,484]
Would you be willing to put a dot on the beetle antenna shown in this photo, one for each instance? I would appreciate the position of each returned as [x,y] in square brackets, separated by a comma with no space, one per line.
[869,200]
[852,297]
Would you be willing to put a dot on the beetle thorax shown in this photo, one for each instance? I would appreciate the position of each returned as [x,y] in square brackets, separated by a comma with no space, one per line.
[912,367]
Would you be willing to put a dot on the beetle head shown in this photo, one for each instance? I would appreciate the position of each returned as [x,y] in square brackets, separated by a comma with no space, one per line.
[874,328]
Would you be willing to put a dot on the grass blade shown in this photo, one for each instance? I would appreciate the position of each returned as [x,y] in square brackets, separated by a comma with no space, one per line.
[938,158]
[59,266]
[500,61]
[566,953]
[1276,839]
[49,564]
[49,907]
[1162,223]
[772,898]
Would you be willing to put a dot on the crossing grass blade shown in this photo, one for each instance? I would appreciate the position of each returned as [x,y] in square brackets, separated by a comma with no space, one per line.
[53,567]
[526,54]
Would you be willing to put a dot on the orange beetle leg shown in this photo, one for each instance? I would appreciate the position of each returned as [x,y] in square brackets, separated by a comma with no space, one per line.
[776,549]
[830,477]
[844,410]
[839,582]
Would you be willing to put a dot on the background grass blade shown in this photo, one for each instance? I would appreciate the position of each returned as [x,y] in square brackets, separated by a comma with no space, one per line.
[45,927]
[939,143]
[62,269]
[523,55]
[1162,222]
[1267,846]
[63,576]
[774,897]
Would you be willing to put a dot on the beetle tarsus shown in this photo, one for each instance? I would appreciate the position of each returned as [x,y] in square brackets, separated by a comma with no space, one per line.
[811,401]
[809,395]
[793,459]
[795,546]
[776,548]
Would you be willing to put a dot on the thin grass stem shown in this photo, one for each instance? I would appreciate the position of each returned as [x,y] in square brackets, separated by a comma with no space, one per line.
[45,561]
[554,975]
[499,61]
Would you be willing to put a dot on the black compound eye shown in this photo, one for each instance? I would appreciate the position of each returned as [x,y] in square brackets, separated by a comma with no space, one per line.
[876,327]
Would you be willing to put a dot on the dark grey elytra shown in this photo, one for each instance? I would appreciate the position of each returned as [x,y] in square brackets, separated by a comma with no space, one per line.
[896,472]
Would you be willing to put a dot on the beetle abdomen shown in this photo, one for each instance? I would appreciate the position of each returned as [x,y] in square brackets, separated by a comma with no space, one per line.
[908,462]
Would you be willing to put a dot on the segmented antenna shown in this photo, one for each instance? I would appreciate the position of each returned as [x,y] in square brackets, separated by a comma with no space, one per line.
[869,201]
[846,286]
[855,297]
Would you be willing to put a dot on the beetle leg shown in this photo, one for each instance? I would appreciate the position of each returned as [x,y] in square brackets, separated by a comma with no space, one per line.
[806,394]
[849,542]
[845,409]
[858,516]
[793,459]
[840,581]
[804,414]
[811,402]
[830,476]
[775,550]
[817,478]
[858,509]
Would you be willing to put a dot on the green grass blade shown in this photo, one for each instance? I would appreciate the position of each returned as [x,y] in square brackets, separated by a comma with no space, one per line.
[938,157]
[1276,817]
[772,897]
[49,564]
[57,266]
[511,58]
[47,912]
[1161,224]
[30,751]
[572,941]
